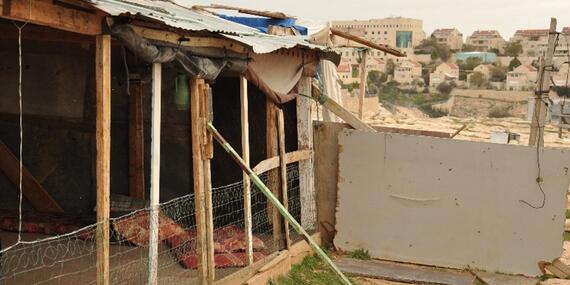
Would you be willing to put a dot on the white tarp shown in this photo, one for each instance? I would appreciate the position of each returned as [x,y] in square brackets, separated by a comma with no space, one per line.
[450,203]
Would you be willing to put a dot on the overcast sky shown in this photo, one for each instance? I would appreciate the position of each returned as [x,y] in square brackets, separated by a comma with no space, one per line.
[503,15]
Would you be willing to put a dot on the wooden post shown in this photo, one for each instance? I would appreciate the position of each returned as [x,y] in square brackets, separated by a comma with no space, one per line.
[283,171]
[338,110]
[206,114]
[136,141]
[197,135]
[246,180]
[273,177]
[363,78]
[154,175]
[538,119]
[305,142]
[103,144]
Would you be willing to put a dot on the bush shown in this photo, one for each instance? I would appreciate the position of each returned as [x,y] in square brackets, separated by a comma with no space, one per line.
[499,112]
[445,88]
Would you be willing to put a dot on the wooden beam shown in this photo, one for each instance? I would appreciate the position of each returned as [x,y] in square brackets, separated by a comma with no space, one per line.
[246,181]
[363,77]
[272,149]
[283,171]
[103,144]
[338,110]
[42,33]
[538,119]
[155,174]
[190,41]
[46,13]
[136,141]
[206,115]
[32,190]
[290,157]
[384,48]
[268,14]
[305,142]
[197,135]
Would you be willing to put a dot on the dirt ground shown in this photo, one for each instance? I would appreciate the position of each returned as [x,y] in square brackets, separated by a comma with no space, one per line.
[479,126]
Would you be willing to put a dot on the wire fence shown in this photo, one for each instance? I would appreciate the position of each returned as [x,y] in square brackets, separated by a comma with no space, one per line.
[71,258]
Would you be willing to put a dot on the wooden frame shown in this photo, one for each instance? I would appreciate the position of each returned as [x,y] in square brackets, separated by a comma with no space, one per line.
[103,144]
[46,13]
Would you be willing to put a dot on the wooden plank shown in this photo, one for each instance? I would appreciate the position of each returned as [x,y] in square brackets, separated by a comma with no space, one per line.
[404,272]
[283,170]
[41,33]
[272,150]
[538,119]
[32,190]
[103,145]
[242,275]
[363,77]
[198,178]
[190,41]
[338,110]
[206,115]
[136,141]
[326,176]
[154,174]
[246,181]
[290,157]
[46,13]
[262,268]
[367,43]
[305,142]
[491,278]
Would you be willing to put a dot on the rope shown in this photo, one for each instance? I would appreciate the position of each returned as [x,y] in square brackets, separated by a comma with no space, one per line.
[20,105]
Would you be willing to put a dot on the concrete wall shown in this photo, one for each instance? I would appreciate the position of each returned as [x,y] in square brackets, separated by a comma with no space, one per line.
[450,203]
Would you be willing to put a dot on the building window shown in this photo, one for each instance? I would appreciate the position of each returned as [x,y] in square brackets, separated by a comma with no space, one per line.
[403,39]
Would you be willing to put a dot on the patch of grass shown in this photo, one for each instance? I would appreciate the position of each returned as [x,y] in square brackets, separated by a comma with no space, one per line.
[479,282]
[567,214]
[312,271]
[566,236]
[361,254]
[411,98]
[499,112]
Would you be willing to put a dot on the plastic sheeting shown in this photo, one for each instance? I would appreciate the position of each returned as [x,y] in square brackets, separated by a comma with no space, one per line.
[275,74]
[262,24]
[206,64]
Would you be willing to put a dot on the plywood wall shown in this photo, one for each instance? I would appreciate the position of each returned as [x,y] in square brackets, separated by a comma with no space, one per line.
[450,203]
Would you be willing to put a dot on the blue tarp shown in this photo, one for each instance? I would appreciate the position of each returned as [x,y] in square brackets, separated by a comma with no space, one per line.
[263,24]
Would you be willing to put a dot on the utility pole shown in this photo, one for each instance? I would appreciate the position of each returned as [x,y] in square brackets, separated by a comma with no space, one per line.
[539,113]
[363,79]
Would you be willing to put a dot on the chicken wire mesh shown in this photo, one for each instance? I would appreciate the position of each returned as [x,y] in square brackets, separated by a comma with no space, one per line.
[71,258]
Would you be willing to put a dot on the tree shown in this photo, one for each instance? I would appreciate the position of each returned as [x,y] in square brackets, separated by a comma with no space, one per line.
[445,88]
[514,64]
[495,51]
[390,66]
[469,64]
[498,74]
[513,49]
[477,79]
[467,47]
[437,51]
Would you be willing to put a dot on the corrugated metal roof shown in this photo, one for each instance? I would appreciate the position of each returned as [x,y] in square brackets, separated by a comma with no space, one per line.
[181,17]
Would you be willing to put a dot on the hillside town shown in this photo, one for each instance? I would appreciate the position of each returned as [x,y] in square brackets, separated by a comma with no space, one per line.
[483,60]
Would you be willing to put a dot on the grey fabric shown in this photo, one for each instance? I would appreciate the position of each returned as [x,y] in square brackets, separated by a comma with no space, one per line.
[202,63]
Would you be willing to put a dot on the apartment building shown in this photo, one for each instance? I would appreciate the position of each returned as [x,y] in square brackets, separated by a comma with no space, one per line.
[522,78]
[484,40]
[534,42]
[399,32]
[444,72]
[407,72]
[449,37]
